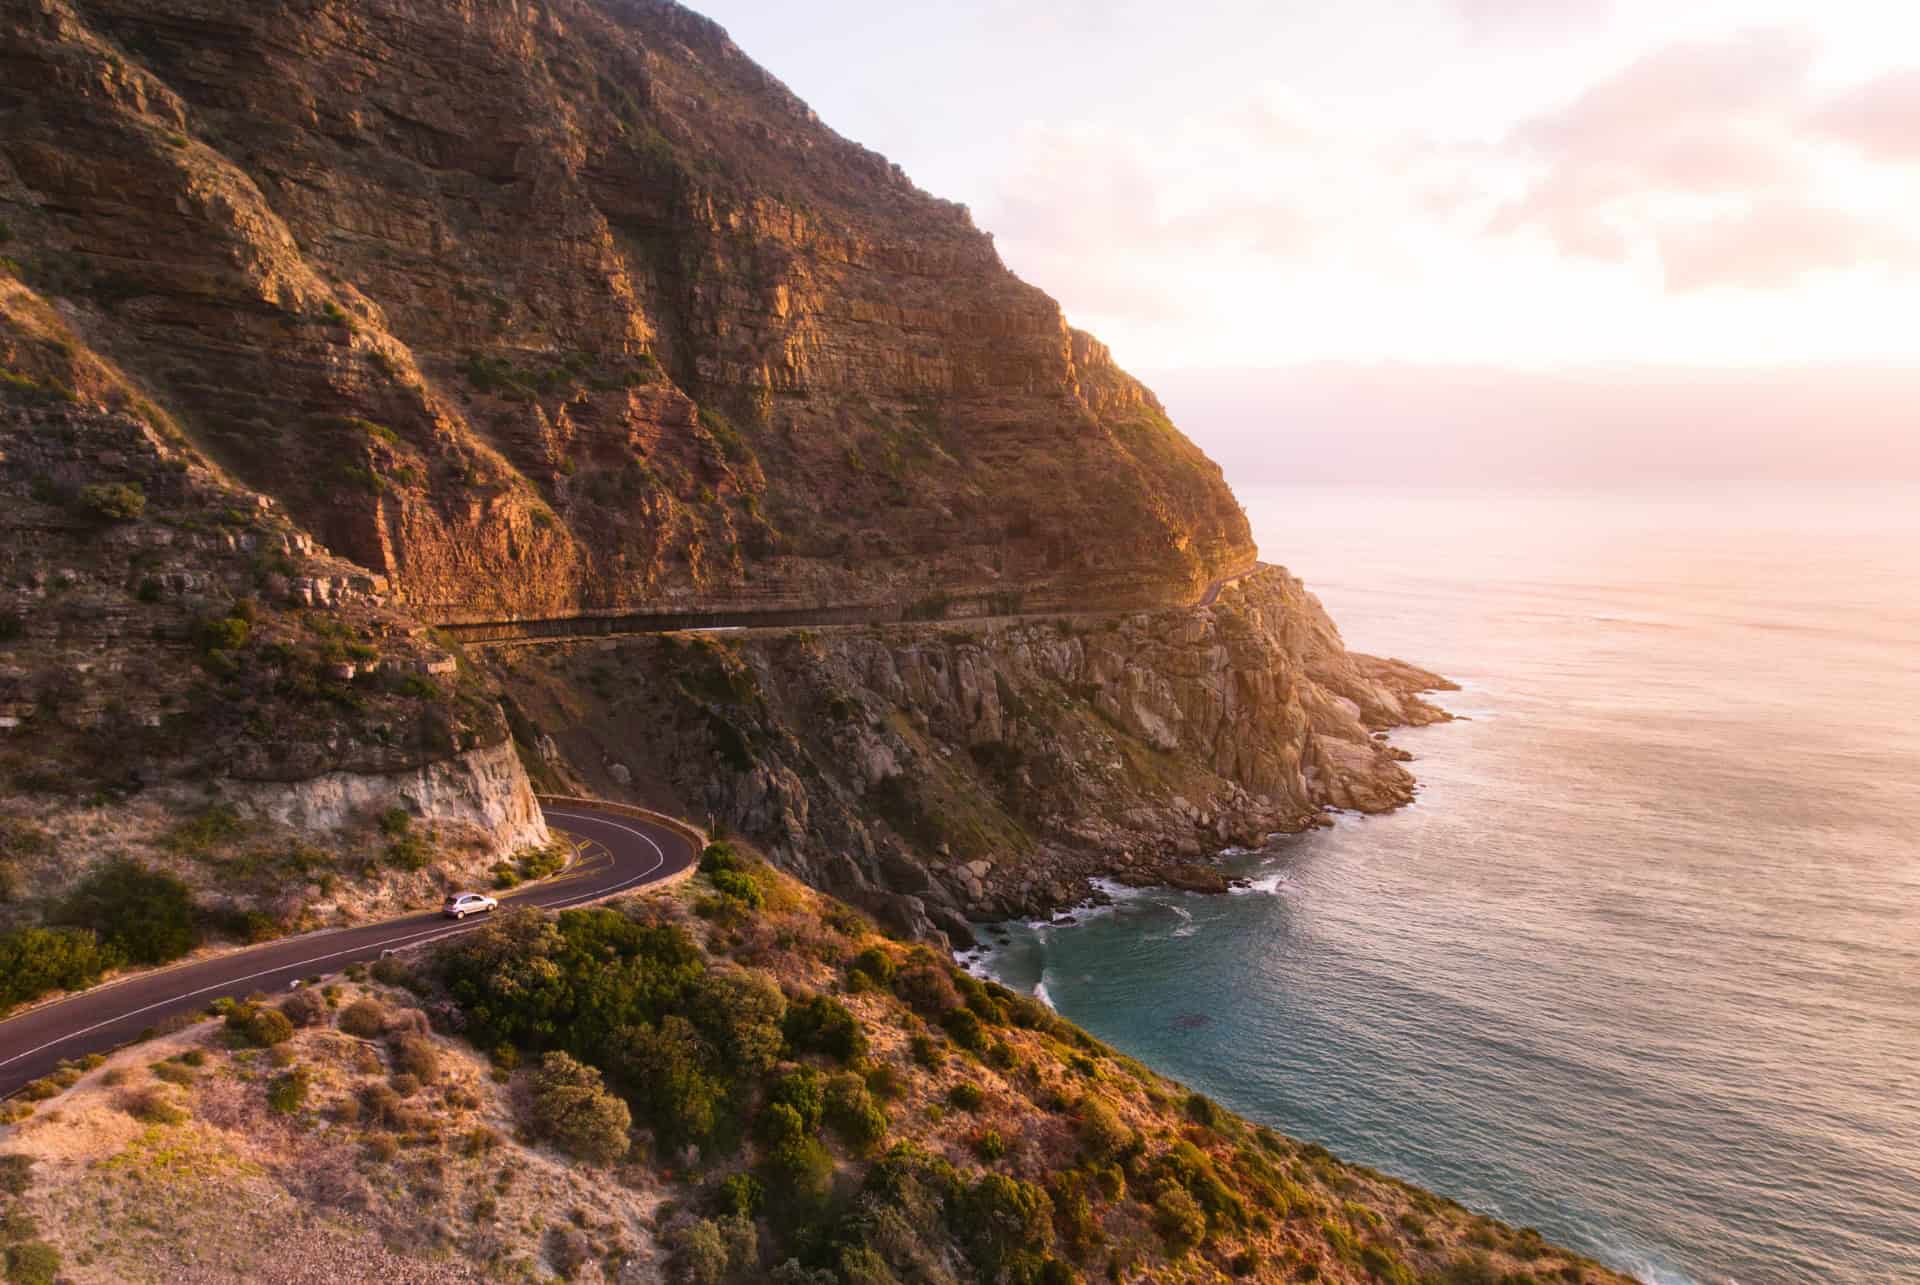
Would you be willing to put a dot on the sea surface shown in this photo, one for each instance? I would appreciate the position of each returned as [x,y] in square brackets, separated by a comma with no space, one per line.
[1641,966]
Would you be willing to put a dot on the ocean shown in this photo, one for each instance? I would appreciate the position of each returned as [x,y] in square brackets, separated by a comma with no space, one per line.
[1641,965]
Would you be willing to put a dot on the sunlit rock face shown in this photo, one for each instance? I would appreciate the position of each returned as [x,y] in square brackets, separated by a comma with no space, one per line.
[542,308]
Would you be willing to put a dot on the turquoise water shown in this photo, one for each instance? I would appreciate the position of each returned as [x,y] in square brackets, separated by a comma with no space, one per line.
[1641,966]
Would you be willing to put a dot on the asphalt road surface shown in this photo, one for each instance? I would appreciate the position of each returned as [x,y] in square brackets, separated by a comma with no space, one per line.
[619,853]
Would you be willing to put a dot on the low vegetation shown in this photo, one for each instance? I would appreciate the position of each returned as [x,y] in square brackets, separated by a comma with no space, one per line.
[734,1081]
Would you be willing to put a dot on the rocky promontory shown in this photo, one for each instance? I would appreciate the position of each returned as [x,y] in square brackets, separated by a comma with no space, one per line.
[940,773]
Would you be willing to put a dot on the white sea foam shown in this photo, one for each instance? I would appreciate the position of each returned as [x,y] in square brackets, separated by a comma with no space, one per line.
[1040,990]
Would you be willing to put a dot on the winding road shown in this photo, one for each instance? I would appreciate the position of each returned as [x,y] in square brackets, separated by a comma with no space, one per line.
[618,853]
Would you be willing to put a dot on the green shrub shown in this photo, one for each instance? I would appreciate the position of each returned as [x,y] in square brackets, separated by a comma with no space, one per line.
[875,963]
[142,914]
[884,1082]
[365,1018]
[33,1262]
[114,501]
[967,1096]
[1202,1110]
[669,1071]
[964,1028]
[16,1174]
[206,829]
[779,1123]
[1178,1218]
[288,1093]
[172,1073]
[572,1107]
[410,851]
[259,1025]
[720,856]
[707,1251]
[221,633]
[1383,1265]
[741,1194]
[853,1113]
[823,1024]
[925,1052]
[1103,1134]
[799,1178]
[929,989]
[743,1016]
[1001,1217]
[738,886]
[989,1145]
[804,1091]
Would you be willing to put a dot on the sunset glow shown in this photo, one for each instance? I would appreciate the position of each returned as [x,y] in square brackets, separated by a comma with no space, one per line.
[1474,182]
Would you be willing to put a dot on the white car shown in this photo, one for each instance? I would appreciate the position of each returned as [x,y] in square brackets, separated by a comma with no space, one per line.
[462,904]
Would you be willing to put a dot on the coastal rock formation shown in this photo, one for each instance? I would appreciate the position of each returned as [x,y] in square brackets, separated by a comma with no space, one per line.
[936,774]
[411,314]
[541,308]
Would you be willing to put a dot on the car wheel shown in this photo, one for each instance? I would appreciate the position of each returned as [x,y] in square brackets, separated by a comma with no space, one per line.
[459,914]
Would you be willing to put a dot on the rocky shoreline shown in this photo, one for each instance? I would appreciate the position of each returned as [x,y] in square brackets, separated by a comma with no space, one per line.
[941,776]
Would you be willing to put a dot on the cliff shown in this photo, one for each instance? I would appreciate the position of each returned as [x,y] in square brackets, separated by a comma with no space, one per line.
[505,311]
[187,680]
[936,773]
[629,322]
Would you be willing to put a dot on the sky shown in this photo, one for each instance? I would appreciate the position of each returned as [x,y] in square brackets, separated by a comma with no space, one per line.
[1594,222]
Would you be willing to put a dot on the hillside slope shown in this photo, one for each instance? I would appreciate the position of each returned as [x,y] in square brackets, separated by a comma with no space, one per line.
[733,1081]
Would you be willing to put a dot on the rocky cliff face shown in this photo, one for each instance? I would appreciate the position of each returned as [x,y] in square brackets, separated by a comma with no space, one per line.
[536,308]
[936,774]
[406,312]
[186,677]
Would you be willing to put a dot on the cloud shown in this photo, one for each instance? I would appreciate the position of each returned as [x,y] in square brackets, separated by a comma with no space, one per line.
[1095,204]
[1776,244]
[1506,17]
[1699,155]
[1881,117]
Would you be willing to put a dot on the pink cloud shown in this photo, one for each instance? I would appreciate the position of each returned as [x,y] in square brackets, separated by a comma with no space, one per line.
[1627,163]
[1093,200]
[1776,244]
[1685,88]
[1501,17]
[1881,117]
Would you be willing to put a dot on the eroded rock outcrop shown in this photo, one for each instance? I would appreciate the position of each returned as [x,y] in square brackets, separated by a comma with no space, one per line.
[936,773]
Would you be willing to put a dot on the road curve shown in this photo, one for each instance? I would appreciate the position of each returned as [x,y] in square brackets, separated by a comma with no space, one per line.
[619,853]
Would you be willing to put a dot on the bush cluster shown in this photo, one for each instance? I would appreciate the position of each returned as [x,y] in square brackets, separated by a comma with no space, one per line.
[144,916]
[571,1106]
[730,876]
[34,961]
[260,1025]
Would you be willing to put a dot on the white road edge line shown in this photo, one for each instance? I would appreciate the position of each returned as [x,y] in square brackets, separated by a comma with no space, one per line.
[660,859]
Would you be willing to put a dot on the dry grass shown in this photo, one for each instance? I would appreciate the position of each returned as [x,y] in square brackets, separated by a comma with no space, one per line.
[444,1193]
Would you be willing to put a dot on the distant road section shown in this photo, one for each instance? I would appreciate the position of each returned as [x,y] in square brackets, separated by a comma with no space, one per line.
[932,611]
[619,853]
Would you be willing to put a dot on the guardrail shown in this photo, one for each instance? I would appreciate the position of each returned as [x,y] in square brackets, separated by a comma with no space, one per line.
[685,829]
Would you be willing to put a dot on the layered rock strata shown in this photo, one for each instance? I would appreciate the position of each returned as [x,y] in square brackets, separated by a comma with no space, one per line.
[941,774]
